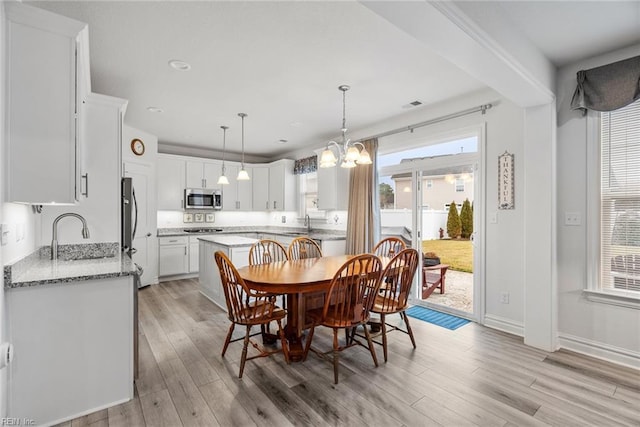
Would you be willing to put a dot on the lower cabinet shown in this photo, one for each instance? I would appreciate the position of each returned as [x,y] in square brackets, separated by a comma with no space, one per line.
[209,276]
[174,255]
[194,259]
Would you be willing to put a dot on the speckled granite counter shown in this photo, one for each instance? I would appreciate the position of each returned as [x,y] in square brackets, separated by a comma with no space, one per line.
[105,260]
[229,240]
[316,234]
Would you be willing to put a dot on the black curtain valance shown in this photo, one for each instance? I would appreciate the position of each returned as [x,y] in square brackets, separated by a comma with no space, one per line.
[306,165]
[608,87]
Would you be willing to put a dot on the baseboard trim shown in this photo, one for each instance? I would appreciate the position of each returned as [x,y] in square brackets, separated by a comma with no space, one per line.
[87,412]
[600,350]
[504,325]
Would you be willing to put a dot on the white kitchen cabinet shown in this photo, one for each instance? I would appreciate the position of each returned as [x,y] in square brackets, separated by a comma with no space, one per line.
[47,72]
[99,204]
[260,187]
[174,255]
[333,247]
[194,250]
[203,174]
[209,276]
[171,182]
[237,195]
[74,348]
[333,188]
[282,191]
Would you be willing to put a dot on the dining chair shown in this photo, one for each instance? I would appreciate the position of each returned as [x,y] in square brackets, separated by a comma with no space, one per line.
[389,247]
[347,305]
[392,297]
[304,247]
[248,308]
[267,251]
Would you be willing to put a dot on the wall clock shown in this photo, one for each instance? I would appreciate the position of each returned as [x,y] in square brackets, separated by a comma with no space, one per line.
[137,146]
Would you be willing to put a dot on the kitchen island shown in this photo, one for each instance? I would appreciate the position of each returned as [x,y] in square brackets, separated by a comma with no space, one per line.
[235,247]
[72,330]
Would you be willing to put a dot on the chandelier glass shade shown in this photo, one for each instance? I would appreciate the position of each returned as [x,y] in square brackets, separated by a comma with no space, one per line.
[348,153]
[223,180]
[242,174]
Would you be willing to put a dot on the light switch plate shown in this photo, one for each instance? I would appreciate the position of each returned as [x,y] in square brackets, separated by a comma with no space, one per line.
[199,217]
[187,217]
[210,217]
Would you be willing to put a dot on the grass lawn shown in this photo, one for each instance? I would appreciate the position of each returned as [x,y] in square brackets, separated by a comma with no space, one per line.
[457,253]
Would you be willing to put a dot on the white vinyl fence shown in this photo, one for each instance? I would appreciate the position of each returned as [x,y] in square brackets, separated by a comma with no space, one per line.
[432,221]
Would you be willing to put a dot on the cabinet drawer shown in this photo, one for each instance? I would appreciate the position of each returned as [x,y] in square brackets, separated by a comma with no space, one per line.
[175,240]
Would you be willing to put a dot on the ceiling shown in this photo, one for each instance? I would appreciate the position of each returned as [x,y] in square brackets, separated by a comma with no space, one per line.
[282,62]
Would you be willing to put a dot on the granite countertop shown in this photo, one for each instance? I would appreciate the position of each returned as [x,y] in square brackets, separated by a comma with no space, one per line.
[229,240]
[104,260]
[316,234]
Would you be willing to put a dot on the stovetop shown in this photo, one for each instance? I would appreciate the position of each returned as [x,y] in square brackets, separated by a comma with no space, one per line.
[202,230]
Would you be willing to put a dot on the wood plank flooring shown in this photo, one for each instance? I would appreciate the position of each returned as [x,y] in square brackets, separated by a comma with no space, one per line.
[470,377]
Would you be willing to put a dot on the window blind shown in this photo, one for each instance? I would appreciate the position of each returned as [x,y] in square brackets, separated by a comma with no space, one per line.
[620,199]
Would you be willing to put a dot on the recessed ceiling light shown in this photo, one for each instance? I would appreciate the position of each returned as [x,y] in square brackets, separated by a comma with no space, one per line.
[281,141]
[179,65]
[155,110]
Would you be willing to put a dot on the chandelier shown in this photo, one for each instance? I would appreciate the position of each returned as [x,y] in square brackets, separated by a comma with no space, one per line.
[348,152]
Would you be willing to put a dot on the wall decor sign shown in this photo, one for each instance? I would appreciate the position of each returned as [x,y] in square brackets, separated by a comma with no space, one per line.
[506,191]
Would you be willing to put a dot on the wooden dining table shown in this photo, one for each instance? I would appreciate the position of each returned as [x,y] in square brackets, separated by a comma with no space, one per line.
[294,278]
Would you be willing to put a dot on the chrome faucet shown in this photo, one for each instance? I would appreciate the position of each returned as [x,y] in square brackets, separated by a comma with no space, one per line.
[54,241]
[307,223]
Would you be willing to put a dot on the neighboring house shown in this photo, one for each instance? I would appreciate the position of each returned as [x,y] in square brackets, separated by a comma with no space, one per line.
[438,189]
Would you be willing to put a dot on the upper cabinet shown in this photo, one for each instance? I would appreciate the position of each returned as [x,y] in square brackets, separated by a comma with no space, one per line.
[171,182]
[203,174]
[333,188]
[47,78]
[260,187]
[237,195]
[282,194]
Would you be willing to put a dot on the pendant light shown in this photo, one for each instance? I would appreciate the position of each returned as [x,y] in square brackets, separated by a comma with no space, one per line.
[242,174]
[348,152]
[223,180]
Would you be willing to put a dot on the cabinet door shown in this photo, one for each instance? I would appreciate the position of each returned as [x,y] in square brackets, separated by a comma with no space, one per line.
[173,260]
[171,183]
[282,194]
[42,155]
[195,174]
[260,188]
[333,188]
[230,191]
[245,192]
[211,171]
[194,259]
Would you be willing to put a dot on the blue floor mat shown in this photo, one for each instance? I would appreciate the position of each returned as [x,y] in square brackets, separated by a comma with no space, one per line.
[441,319]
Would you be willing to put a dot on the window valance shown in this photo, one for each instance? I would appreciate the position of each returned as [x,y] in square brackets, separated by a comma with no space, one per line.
[306,165]
[608,87]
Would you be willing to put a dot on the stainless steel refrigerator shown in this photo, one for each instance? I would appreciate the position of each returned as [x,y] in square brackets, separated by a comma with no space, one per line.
[129,223]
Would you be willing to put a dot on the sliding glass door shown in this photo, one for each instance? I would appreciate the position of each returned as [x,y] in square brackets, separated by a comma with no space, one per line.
[432,202]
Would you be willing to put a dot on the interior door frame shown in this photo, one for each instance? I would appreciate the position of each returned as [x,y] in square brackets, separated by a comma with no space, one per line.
[416,168]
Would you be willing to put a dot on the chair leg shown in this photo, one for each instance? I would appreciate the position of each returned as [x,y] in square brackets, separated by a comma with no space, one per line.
[243,359]
[307,345]
[336,356]
[406,322]
[384,336]
[283,340]
[371,349]
[228,340]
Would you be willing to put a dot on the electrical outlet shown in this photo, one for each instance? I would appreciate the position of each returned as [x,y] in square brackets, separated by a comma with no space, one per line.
[504,298]
[284,219]
[493,218]
[572,218]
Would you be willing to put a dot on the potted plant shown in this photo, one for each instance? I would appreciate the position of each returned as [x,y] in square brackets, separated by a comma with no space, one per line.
[429,259]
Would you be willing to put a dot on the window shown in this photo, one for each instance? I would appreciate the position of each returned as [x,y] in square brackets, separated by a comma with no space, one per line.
[459,185]
[619,201]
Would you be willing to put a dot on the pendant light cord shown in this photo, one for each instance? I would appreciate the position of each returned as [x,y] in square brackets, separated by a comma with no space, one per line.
[242,116]
[224,145]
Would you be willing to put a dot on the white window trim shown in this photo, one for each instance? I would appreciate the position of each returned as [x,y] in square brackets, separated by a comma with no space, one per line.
[593,292]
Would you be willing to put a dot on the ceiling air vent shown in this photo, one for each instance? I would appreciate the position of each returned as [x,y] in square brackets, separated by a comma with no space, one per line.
[412,104]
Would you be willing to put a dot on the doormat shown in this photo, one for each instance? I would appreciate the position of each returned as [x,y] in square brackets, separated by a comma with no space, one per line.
[435,317]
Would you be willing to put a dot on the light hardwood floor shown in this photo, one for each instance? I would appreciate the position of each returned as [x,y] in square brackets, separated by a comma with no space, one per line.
[472,376]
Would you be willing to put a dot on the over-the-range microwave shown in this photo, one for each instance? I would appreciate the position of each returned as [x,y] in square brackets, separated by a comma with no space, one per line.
[202,198]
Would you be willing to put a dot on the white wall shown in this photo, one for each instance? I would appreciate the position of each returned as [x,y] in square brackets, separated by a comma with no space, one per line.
[596,328]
